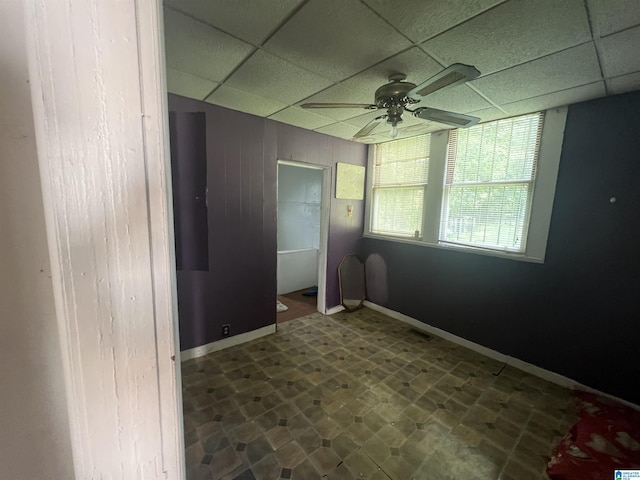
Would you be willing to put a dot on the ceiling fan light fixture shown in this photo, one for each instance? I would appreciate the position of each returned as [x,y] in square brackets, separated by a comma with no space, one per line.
[394,120]
[398,94]
[394,114]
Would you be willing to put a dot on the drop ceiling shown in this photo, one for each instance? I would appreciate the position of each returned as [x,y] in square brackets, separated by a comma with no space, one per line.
[266,57]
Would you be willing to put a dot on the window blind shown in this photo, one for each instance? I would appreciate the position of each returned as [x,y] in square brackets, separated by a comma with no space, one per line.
[401,169]
[489,179]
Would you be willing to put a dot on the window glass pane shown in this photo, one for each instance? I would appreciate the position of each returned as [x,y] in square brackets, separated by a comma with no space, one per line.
[413,147]
[505,150]
[397,210]
[488,216]
[403,172]
[402,162]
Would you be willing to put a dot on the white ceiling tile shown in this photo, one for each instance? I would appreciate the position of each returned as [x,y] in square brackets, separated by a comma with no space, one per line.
[360,121]
[624,84]
[339,38]
[423,19]
[249,20]
[556,99]
[460,99]
[414,63]
[371,139]
[269,76]
[336,38]
[513,33]
[375,138]
[418,129]
[381,136]
[340,94]
[621,53]
[413,124]
[188,85]
[301,118]
[339,129]
[570,68]
[195,48]
[357,119]
[408,120]
[609,16]
[235,99]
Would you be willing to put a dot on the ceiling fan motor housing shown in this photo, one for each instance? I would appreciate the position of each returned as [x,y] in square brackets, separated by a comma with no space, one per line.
[394,93]
[393,97]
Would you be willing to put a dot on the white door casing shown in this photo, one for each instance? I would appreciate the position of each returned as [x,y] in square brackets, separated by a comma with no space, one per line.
[96,70]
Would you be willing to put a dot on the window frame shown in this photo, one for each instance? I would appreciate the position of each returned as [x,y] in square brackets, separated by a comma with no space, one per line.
[541,204]
[527,181]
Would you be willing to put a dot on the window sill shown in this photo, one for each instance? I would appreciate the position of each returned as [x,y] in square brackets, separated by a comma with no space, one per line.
[521,257]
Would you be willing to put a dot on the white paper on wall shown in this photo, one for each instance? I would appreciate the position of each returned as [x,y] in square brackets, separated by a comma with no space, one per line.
[350,181]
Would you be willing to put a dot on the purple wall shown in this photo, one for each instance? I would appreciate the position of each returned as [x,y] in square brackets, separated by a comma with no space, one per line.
[242,155]
[576,313]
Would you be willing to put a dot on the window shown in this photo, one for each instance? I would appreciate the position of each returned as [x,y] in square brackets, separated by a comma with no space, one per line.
[400,180]
[489,183]
[486,189]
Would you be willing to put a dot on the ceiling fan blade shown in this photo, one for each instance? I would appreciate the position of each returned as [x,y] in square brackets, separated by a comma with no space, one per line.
[448,118]
[454,75]
[366,106]
[370,127]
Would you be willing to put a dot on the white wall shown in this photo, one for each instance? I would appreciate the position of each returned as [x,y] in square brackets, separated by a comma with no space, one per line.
[299,202]
[34,429]
[297,270]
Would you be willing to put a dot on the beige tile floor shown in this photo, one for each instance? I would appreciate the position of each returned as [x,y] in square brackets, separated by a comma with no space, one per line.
[361,395]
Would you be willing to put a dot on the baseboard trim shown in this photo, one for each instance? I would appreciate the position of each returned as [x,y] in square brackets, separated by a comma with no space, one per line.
[336,309]
[227,342]
[526,367]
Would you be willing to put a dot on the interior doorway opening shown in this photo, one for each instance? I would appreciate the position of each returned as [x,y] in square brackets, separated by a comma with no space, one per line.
[302,226]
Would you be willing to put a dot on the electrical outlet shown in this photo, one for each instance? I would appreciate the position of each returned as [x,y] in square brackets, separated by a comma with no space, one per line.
[226,329]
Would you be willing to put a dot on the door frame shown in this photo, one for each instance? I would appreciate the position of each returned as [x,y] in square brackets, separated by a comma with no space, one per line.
[98,92]
[325,213]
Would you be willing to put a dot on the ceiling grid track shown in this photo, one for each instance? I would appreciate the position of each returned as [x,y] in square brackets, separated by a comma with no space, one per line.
[596,42]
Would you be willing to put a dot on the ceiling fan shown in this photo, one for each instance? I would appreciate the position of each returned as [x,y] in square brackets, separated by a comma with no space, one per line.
[397,95]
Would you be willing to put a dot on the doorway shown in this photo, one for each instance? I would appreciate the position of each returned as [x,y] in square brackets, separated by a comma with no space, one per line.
[302,239]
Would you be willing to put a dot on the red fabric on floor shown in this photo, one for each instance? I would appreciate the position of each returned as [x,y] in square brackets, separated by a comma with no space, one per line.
[605,439]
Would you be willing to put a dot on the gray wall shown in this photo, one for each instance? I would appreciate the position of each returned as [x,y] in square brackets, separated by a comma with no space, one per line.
[576,314]
[241,155]
[34,429]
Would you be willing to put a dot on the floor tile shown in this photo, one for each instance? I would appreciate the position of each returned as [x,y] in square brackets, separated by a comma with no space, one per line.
[361,395]
[325,460]
[290,455]
[305,471]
